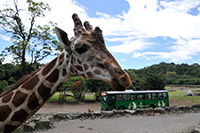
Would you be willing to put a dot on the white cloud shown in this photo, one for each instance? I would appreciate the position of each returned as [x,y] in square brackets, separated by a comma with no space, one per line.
[5,37]
[130,45]
[168,19]
[61,13]
[180,52]
[144,19]
[8,59]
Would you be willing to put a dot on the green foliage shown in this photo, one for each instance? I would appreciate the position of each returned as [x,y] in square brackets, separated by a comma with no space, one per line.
[67,86]
[3,86]
[10,70]
[37,9]
[32,40]
[180,74]
[147,79]
[55,97]
[98,87]
[153,80]
[11,81]
[2,72]
[95,85]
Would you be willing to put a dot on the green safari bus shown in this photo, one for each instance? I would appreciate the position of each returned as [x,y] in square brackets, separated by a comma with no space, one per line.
[132,100]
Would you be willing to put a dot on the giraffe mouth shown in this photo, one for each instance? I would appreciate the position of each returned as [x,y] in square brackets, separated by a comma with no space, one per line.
[115,85]
[120,83]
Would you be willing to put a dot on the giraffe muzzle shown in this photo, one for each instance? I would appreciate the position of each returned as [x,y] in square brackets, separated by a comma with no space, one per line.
[124,80]
[120,83]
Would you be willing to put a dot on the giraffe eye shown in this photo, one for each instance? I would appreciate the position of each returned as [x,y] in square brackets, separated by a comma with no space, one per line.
[82,49]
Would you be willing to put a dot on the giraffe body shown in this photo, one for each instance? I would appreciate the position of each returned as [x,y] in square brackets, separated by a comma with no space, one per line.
[84,54]
[20,104]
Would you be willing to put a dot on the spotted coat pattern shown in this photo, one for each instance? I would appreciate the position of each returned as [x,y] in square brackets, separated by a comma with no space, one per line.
[21,103]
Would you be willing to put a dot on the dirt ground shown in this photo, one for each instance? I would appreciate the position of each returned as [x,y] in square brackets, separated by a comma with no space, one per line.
[135,124]
[51,108]
[69,107]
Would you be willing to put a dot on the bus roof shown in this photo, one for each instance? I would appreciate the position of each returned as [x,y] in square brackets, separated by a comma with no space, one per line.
[131,91]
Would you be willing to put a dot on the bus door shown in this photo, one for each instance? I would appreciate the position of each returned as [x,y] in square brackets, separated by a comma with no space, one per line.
[148,100]
[140,101]
[111,103]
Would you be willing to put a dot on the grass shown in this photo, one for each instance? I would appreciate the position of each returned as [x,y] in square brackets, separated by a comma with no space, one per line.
[178,98]
[55,97]
[177,93]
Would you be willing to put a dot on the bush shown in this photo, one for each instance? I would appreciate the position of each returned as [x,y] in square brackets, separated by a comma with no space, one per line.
[3,85]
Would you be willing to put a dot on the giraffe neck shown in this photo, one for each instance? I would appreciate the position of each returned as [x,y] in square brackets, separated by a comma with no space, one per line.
[21,103]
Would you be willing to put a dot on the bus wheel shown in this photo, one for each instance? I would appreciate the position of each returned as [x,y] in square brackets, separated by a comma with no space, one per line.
[152,106]
[121,108]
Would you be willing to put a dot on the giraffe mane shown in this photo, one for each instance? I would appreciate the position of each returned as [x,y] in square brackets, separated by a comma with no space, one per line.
[19,82]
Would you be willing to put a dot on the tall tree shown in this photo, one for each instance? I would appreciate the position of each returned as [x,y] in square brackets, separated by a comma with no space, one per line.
[153,80]
[98,87]
[2,72]
[31,42]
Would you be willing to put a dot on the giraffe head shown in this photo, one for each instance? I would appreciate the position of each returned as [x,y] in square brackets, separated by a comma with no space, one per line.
[89,56]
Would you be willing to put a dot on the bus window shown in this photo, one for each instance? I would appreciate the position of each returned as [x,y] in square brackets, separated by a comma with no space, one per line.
[154,95]
[140,97]
[126,97]
[164,95]
[111,97]
[119,97]
[160,95]
[132,97]
[148,96]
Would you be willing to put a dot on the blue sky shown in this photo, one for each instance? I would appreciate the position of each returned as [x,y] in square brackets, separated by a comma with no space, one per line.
[139,33]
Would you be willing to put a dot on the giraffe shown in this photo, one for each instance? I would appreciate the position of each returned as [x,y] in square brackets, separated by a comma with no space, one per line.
[85,54]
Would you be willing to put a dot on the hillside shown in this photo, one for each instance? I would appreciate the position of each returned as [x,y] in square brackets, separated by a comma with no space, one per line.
[176,74]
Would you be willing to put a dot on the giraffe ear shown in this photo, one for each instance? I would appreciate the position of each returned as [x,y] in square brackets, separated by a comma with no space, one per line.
[63,38]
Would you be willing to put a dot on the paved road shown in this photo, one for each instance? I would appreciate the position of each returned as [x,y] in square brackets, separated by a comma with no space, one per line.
[135,124]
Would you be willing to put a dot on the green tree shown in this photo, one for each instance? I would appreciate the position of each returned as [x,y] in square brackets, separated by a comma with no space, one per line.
[192,71]
[11,81]
[10,70]
[98,87]
[153,80]
[68,86]
[29,39]
[2,72]
[3,86]
[171,77]
[181,69]
[78,90]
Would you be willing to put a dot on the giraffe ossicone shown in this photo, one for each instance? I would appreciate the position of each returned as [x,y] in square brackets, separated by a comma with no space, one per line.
[85,54]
